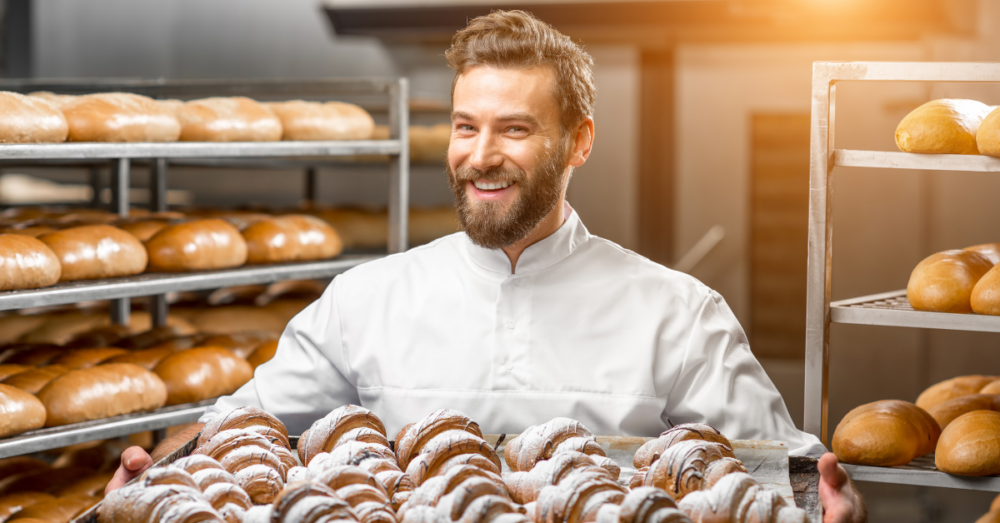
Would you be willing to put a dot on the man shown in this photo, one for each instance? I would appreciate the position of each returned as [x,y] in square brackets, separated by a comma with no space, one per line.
[525,316]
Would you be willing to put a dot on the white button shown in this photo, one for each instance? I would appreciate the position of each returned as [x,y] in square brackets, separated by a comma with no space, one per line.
[510,325]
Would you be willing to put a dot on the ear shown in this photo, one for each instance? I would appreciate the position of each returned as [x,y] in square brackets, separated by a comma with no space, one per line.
[583,142]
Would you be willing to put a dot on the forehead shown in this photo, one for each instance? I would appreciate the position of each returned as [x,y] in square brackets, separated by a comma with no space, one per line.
[488,91]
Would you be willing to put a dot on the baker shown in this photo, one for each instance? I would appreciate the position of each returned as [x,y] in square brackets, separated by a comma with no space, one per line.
[524,316]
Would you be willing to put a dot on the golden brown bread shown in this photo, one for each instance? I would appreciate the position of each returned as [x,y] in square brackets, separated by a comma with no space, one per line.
[303,120]
[56,100]
[294,237]
[103,336]
[34,380]
[232,119]
[20,464]
[196,245]
[429,144]
[26,263]
[202,373]
[57,510]
[953,388]
[19,411]
[541,442]
[231,319]
[101,392]
[145,358]
[970,445]
[89,486]
[993,516]
[946,126]
[13,326]
[359,229]
[141,321]
[413,437]
[985,297]
[263,354]
[651,450]
[61,328]
[241,344]
[988,135]
[10,369]
[30,120]
[119,117]
[96,251]
[946,412]
[691,465]
[885,433]
[12,503]
[86,358]
[32,354]
[33,231]
[143,229]
[990,250]
[943,282]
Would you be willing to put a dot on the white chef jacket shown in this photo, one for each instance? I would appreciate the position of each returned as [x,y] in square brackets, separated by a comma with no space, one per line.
[583,329]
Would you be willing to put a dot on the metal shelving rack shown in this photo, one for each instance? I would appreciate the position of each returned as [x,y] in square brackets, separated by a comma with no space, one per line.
[886,309]
[119,157]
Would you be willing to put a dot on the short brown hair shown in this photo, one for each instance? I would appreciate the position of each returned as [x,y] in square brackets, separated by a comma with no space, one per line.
[518,40]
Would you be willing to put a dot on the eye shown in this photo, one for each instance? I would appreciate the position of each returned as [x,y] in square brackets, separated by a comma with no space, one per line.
[464,127]
[516,129]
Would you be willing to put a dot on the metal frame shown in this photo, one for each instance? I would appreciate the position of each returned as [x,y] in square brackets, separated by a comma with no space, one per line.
[889,309]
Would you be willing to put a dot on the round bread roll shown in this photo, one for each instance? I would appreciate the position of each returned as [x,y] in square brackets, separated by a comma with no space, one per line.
[943,282]
[946,126]
[954,388]
[988,134]
[263,354]
[970,445]
[120,117]
[294,237]
[989,250]
[303,120]
[101,392]
[231,319]
[946,412]
[30,120]
[96,251]
[57,100]
[196,245]
[202,373]
[885,434]
[985,298]
[34,380]
[26,263]
[19,411]
[234,119]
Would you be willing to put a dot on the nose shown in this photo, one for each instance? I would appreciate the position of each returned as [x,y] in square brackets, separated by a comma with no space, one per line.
[487,153]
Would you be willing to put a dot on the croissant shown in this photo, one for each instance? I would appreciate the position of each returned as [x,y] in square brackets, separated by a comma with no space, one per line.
[310,502]
[432,490]
[476,499]
[374,458]
[651,450]
[136,502]
[168,476]
[435,457]
[347,423]
[210,476]
[643,505]
[194,463]
[252,418]
[541,442]
[229,500]
[578,498]
[691,465]
[413,437]
[261,482]
[224,443]
[738,497]
[524,487]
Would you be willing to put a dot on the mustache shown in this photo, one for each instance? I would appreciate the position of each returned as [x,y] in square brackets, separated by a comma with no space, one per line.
[496,174]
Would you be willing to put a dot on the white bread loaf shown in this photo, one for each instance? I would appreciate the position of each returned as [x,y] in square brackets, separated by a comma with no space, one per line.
[30,120]
[120,117]
[233,119]
[312,121]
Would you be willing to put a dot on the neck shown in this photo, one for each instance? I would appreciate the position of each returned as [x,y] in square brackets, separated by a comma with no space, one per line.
[549,224]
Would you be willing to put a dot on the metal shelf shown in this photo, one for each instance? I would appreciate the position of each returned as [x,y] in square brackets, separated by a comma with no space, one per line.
[926,162]
[162,283]
[891,309]
[56,437]
[922,472]
[88,150]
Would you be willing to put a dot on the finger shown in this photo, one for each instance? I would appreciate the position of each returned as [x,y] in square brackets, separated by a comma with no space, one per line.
[830,471]
[119,480]
[136,460]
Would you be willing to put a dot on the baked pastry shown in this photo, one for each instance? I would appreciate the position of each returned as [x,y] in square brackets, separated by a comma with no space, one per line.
[228,441]
[12,503]
[303,120]
[985,298]
[956,387]
[989,250]
[885,434]
[362,491]
[86,358]
[30,120]
[690,466]
[231,119]
[651,450]
[10,369]
[578,498]
[294,237]
[432,490]
[202,373]
[167,476]
[250,418]
[643,505]
[263,354]
[34,380]
[119,117]
[196,245]
[376,459]
[309,502]
[412,438]
[946,412]
[135,502]
[943,282]
[737,495]
[946,126]
[540,442]
[19,411]
[343,424]
[449,449]
[101,392]
[524,487]
[26,263]
[229,500]
[970,445]
[96,251]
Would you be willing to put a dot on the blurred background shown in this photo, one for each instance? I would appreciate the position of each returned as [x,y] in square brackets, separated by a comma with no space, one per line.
[702,124]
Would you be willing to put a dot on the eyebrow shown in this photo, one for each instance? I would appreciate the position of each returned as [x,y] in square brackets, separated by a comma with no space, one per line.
[523,117]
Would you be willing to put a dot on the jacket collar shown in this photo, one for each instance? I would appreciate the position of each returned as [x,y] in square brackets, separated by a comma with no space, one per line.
[538,256]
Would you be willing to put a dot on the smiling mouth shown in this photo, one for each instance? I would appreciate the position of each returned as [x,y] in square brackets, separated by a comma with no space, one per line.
[492,186]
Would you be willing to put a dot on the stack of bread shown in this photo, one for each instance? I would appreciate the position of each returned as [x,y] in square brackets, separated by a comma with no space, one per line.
[242,471]
[958,420]
[951,126]
[45,117]
[428,144]
[961,281]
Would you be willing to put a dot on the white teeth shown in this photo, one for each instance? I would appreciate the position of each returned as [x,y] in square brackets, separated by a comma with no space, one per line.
[492,186]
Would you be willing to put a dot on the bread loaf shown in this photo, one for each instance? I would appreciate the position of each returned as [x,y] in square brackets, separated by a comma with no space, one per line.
[89,486]
[946,126]
[56,100]
[885,434]
[241,344]
[429,144]
[30,120]
[86,358]
[34,231]
[196,245]
[291,238]
[263,354]
[202,373]
[985,298]
[303,120]
[119,117]
[26,263]
[63,327]
[32,354]
[991,251]
[103,336]
[10,369]
[232,319]
[12,503]
[946,412]
[143,229]
[96,251]
[101,392]
[943,282]
[34,380]
[988,134]
[19,411]
[234,119]
[970,445]
[145,358]
[59,509]
[357,228]
[956,387]
[14,326]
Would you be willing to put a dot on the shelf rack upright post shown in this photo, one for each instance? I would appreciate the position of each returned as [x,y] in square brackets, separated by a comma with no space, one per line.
[889,308]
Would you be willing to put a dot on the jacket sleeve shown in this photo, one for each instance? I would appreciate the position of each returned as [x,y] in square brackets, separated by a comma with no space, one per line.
[307,377]
[722,384]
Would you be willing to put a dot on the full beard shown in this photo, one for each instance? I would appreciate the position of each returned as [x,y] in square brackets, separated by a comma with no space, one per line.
[487,223]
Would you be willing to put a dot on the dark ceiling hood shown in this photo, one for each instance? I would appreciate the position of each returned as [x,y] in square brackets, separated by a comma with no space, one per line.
[665,22]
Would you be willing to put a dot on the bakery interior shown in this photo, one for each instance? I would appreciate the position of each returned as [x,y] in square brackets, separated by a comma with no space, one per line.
[701,163]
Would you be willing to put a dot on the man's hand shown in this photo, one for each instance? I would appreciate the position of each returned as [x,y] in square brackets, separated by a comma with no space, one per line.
[841,502]
[135,461]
